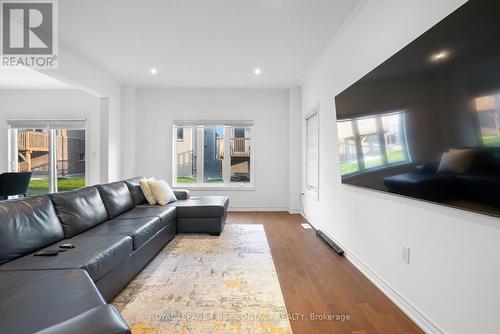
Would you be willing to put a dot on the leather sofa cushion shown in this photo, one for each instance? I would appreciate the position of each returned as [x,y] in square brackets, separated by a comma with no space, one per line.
[182,194]
[139,229]
[167,213]
[98,255]
[135,190]
[34,300]
[483,181]
[27,225]
[116,198]
[213,225]
[418,180]
[102,319]
[202,207]
[78,210]
[486,160]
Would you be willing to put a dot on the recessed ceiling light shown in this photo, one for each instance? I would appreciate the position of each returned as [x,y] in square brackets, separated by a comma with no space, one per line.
[153,71]
[441,55]
[257,71]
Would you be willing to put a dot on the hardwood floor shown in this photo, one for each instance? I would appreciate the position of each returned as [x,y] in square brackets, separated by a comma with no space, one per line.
[315,280]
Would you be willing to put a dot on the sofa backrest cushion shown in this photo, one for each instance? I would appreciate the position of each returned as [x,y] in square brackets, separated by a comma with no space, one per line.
[486,160]
[116,198]
[27,225]
[135,190]
[79,210]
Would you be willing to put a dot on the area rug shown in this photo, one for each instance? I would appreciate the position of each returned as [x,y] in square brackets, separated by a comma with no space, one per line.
[205,284]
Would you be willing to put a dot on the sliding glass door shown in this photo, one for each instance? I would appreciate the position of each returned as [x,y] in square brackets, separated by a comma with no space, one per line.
[33,156]
[53,151]
[70,159]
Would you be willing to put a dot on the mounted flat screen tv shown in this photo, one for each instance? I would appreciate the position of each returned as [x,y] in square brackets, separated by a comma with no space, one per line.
[426,122]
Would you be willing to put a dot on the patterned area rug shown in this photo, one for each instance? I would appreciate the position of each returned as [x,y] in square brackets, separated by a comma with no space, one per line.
[203,284]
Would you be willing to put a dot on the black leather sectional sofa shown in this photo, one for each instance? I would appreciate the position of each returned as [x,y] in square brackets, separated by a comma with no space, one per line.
[480,183]
[115,234]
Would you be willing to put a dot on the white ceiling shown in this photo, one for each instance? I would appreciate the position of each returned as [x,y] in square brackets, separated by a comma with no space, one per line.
[202,43]
[29,79]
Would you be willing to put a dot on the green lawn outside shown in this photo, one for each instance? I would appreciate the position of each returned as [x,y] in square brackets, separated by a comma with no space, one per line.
[491,141]
[41,186]
[348,167]
[188,179]
[352,166]
[395,156]
[213,181]
[185,179]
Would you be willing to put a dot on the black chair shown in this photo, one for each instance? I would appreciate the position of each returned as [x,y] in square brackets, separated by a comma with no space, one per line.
[12,184]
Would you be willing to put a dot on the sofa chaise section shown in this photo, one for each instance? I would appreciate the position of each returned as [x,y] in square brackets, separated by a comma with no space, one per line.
[103,319]
[32,301]
[205,214]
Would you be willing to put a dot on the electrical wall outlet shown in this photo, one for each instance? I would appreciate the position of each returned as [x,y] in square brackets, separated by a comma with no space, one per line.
[405,255]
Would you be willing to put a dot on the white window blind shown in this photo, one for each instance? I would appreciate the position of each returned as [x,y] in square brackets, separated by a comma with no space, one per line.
[312,151]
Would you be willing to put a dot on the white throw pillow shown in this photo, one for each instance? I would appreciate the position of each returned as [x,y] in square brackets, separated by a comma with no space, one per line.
[144,184]
[162,192]
[456,161]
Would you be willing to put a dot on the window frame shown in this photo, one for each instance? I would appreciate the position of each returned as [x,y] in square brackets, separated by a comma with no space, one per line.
[199,126]
[383,147]
[310,190]
[52,126]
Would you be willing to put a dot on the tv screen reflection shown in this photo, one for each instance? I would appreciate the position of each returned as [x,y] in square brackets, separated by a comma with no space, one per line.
[426,123]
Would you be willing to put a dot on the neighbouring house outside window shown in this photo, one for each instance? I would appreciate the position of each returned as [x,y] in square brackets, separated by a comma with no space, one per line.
[53,151]
[213,154]
[372,142]
[180,133]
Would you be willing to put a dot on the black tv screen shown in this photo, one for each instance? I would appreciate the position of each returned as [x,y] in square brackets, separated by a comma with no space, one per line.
[426,122]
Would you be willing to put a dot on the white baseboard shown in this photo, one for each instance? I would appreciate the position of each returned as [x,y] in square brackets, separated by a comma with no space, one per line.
[406,306]
[293,211]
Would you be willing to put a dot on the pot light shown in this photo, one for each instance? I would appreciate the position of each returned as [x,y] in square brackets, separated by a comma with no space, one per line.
[440,56]
[257,71]
[153,71]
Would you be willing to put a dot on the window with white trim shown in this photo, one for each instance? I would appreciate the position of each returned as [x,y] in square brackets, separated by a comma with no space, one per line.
[53,151]
[312,152]
[372,142]
[213,154]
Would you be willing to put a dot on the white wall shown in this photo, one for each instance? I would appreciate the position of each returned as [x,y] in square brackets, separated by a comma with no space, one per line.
[294,148]
[156,109]
[452,281]
[48,104]
[87,76]
[129,145]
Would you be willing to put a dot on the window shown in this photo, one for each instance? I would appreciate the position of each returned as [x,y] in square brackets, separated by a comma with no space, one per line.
[53,151]
[347,148]
[488,114]
[213,154]
[312,152]
[372,142]
[241,155]
[180,133]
